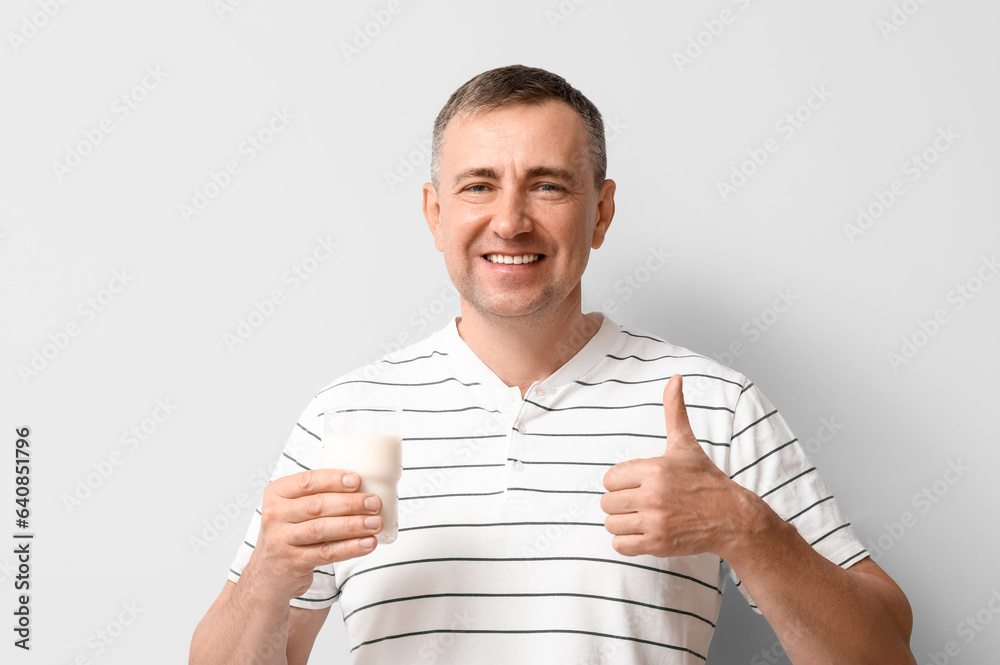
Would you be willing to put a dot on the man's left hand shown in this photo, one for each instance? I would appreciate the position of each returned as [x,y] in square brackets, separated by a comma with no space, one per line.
[679,503]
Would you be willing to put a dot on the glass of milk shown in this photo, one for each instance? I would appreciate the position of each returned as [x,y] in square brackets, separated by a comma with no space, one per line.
[369,442]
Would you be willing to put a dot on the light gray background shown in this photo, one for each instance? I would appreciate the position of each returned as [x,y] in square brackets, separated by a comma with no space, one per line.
[677,131]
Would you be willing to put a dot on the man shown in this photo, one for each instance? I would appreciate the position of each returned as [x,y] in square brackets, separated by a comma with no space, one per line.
[570,488]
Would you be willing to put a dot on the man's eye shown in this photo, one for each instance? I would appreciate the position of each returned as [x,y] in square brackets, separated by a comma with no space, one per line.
[476,188]
[549,187]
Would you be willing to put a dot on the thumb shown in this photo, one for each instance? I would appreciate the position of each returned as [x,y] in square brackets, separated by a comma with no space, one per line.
[679,434]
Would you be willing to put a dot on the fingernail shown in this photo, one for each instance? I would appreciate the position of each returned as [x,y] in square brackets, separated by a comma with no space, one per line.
[372,503]
[368,543]
[351,480]
[372,522]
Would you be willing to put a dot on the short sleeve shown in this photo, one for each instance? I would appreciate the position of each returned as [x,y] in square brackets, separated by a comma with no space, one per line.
[766,458]
[302,452]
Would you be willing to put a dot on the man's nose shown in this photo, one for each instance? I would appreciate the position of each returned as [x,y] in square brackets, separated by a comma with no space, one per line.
[511,215]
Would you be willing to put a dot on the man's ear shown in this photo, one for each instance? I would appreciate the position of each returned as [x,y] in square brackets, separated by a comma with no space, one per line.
[432,213]
[605,212]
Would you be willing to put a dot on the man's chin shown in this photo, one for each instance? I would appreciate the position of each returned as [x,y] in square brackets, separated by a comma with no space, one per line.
[512,312]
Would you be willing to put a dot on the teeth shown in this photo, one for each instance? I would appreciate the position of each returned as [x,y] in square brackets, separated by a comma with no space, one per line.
[515,260]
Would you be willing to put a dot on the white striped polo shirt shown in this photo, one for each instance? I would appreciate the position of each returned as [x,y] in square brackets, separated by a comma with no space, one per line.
[502,553]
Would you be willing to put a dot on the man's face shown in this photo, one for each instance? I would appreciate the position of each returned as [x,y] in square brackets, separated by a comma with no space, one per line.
[516,211]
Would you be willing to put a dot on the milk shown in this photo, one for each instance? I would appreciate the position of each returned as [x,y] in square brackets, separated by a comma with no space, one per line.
[377,458]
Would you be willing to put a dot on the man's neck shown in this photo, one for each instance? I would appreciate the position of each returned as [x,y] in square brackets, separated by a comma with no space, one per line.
[521,352]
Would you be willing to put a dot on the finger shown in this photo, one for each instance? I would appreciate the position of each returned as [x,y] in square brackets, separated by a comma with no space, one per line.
[620,502]
[675,415]
[629,545]
[315,481]
[328,504]
[332,529]
[340,550]
[624,475]
[619,525]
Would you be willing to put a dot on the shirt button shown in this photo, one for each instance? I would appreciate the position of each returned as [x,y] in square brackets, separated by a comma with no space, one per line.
[518,465]
[508,398]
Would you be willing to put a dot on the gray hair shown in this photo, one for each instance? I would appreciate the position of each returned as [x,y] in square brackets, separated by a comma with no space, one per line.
[517,84]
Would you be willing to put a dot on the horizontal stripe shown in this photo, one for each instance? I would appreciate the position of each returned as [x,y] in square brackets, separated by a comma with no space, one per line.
[759,420]
[562,631]
[658,405]
[410,360]
[306,430]
[656,380]
[536,559]
[534,489]
[807,509]
[400,385]
[654,339]
[592,434]
[594,407]
[296,461]
[853,556]
[651,360]
[474,525]
[509,489]
[528,595]
[763,457]
[318,600]
[717,378]
[449,466]
[454,438]
[710,408]
[457,410]
[464,408]
[446,496]
[831,532]
[524,461]
[790,480]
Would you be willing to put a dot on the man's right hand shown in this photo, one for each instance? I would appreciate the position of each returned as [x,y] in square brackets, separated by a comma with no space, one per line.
[310,519]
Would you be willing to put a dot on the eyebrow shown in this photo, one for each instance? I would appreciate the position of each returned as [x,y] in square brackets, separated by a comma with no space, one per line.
[479,172]
[536,172]
[550,172]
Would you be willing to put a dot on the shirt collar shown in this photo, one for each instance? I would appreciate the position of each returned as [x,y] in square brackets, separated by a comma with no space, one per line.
[581,364]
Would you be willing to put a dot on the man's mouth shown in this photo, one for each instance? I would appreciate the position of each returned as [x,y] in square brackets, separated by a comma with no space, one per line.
[512,259]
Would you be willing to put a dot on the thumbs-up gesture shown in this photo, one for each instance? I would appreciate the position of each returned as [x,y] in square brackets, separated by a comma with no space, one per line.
[679,503]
